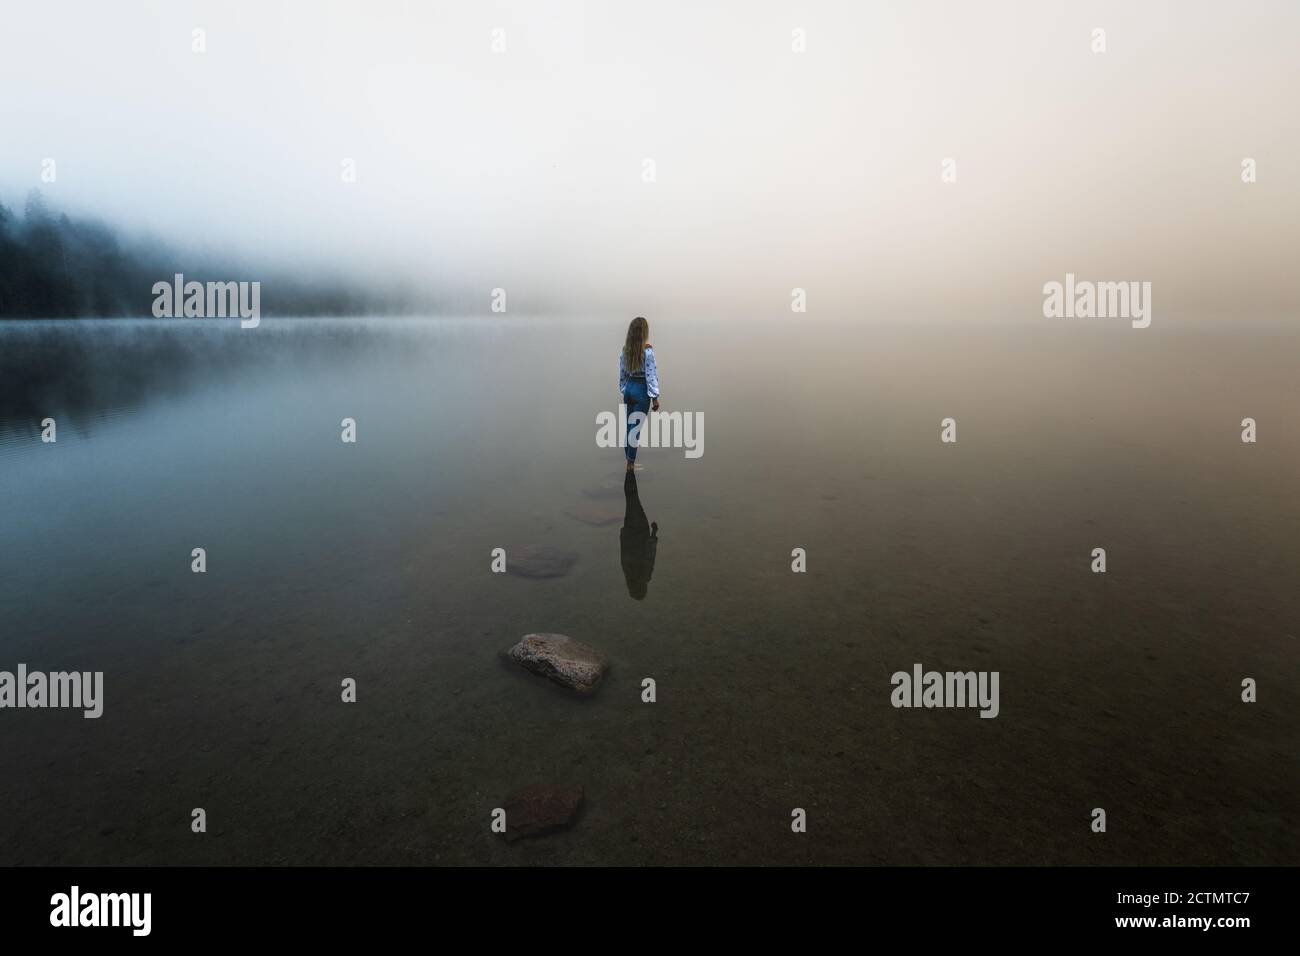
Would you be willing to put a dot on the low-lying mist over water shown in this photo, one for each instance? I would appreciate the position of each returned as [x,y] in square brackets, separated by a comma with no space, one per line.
[373,561]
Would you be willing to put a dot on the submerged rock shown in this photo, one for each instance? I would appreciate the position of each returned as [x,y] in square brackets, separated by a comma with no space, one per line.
[539,561]
[560,658]
[596,515]
[541,809]
[610,485]
[610,490]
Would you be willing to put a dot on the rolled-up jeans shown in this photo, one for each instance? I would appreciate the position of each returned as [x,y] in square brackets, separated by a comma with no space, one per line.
[637,399]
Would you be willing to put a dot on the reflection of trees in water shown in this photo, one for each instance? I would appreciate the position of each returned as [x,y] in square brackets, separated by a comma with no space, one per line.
[78,370]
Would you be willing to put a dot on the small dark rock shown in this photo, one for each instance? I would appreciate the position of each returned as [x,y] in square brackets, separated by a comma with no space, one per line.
[541,809]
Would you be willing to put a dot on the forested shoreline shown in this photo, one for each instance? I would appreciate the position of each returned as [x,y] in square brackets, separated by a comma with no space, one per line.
[53,266]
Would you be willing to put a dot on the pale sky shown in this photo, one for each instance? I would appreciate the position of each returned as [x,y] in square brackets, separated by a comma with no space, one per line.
[774,169]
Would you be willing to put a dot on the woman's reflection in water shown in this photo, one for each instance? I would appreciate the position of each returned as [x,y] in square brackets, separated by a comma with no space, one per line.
[637,540]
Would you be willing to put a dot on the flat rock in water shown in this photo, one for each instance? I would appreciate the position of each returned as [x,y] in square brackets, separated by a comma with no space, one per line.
[560,658]
[596,515]
[541,809]
[540,561]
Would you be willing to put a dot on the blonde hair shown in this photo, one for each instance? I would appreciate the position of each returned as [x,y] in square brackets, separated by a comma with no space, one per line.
[634,348]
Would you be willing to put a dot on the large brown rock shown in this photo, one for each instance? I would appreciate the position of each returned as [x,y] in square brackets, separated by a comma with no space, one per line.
[560,658]
[541,809]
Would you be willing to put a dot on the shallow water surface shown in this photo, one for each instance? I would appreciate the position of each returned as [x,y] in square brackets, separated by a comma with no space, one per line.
[372,560]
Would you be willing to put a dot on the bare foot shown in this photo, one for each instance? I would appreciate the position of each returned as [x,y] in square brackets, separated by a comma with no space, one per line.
[630,467]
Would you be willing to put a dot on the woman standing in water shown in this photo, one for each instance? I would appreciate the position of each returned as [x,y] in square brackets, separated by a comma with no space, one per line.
[638,380]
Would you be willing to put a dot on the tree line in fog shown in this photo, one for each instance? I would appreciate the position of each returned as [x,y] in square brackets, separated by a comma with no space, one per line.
[54,267]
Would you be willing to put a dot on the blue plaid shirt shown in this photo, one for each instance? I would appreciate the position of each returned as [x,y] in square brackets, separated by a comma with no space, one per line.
[648,371]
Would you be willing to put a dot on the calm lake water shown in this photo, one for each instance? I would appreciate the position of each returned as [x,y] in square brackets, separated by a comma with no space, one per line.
[371,560]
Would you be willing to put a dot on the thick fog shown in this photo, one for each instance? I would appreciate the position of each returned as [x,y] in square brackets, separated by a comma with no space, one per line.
[525,167]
